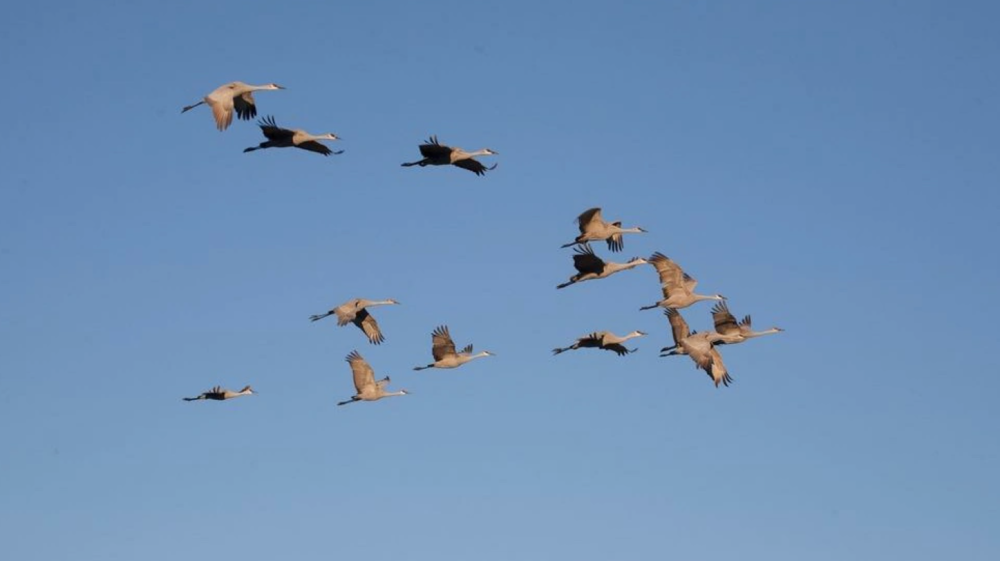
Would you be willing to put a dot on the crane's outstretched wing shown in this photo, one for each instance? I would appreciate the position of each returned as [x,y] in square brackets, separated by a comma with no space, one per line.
[434,149]
[616,242]
[718,371]
[271,129]
[222,111]
[725,322]
[671,274]
[678,327]
[441,343]
[347,311]
[586,261]
[364,376]
[367,323]
[595,339]
[318,147]
[617,348]
[588,216]
[245,107]
[475,166]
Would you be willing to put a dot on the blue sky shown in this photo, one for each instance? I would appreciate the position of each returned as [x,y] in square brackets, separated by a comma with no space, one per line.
[829,166]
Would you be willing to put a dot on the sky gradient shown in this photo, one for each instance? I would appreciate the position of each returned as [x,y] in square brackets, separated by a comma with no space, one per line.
[831,167]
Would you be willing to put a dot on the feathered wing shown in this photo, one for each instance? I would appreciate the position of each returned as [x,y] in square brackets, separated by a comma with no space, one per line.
[441,343]
[467,350]
[588,216]
[678,327]
[690,282]
[272,131]
[222,111]
[586,261]
[617,241]
[364,376]
[595,339]
[367,323]
[671,274]
[318,147]
[434,150]
[724,321]
[617,348]
[718,371]
[346,312]
[245,107]
[473,165]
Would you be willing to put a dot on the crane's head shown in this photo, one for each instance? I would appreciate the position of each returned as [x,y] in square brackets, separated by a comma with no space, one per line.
[491,152]
[638,333]
[330,136]
[392,301]
[273,86]
[248,390]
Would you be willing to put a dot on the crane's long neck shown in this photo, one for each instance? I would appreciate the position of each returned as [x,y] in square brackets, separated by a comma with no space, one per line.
[752,334]
[467,358]
[700,297]
[381,303]
[630,336]
[394,394]
[480,152]
[615,267]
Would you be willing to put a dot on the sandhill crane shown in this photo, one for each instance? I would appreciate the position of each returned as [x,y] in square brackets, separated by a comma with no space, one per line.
[699,346]
[603,340]
[443,349]
[218,393]
[678,286]
[278,137]
[437,154]
[364,381]
[594,228]
[355,311]
[590,266]
[725,324]
[234,96]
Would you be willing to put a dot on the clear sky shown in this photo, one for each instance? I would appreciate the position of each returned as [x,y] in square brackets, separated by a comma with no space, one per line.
[829,166]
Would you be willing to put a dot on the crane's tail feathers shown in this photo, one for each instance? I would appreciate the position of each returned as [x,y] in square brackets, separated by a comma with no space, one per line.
[190,107]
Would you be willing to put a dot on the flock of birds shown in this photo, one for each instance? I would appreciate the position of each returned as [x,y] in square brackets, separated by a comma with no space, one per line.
[237,97]
[677,286]
[678,290]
